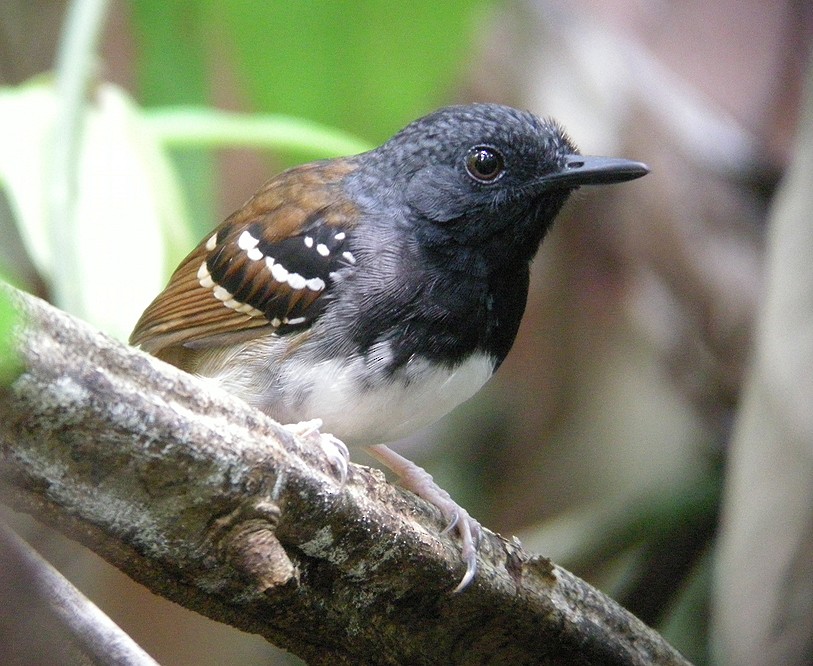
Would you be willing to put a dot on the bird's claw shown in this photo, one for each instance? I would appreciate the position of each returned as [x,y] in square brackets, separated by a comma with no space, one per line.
[335,450]
[420,482]
[470,532]
[337,453]
[452,522]
[471,570]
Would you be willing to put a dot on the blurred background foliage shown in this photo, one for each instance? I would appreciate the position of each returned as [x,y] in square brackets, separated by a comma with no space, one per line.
[606,439]
[325,62]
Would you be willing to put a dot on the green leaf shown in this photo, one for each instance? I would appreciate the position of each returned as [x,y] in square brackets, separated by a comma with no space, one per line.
[128,206]
[189,126]
[10,365]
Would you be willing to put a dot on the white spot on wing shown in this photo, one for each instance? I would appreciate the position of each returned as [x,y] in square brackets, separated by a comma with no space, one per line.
[296,281]
[243,308]
[308,241]
[221,294]
[247,241]
[293,321]
[279,272]
[340,236]
[315,284]
[211,243]
[349,256]
[254,254]
[322,249]
[249,310]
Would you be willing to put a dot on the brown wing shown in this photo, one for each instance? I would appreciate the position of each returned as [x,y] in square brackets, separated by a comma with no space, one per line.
[265,266]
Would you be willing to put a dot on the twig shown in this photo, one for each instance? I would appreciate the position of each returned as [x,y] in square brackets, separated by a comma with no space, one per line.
[92,631]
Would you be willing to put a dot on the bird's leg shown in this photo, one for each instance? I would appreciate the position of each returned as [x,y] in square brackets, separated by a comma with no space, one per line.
[419,481]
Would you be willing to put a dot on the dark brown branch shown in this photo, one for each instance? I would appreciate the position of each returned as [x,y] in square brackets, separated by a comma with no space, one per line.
[209,503]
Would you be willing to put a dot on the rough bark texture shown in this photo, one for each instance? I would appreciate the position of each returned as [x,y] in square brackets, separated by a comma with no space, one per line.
[211,504]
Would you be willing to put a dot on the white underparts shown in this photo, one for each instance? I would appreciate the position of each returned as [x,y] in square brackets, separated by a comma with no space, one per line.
[357,398]
[387,408]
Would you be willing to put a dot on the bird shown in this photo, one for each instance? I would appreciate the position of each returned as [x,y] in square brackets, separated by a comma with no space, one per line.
[372,294]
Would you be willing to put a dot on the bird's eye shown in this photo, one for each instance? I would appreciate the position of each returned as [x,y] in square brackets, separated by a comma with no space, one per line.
[484,164]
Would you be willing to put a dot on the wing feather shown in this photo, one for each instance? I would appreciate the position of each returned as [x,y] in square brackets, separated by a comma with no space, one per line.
[268,265]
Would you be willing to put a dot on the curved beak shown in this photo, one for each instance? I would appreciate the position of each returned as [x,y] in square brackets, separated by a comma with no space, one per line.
[590,170]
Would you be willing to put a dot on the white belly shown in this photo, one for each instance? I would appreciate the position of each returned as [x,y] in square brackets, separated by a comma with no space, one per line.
[356,398]
[385,409]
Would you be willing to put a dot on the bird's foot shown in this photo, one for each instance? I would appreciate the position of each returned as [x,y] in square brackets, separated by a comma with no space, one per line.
[419,481]
[335,449]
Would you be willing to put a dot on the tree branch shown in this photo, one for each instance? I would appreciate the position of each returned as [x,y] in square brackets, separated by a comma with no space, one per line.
[92,633]
[211,504]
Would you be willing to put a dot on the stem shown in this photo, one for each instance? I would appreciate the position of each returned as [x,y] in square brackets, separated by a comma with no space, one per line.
[93,632]
[75,67]
[196,127]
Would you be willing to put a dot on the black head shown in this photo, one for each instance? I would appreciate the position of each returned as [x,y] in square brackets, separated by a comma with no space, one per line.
[488,177]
